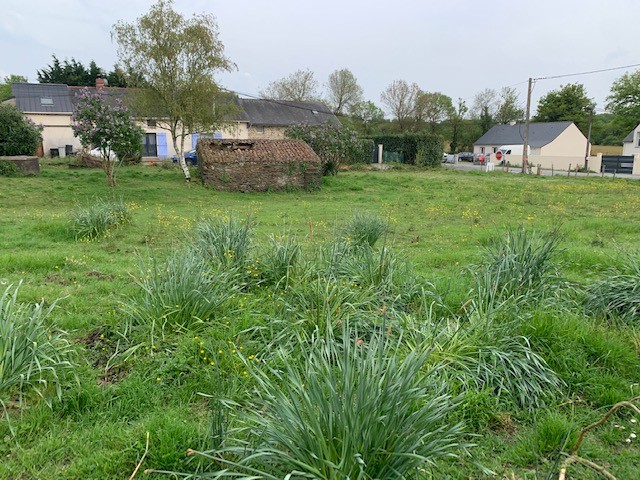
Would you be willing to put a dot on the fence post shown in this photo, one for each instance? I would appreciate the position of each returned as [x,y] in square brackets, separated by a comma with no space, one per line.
[569,171]
[552,172]
[539,169]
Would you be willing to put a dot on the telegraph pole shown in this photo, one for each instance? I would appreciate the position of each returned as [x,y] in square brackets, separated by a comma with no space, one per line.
[586,154]
[525,147]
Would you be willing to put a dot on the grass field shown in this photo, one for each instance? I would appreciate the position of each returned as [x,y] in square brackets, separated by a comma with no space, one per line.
[166,372]
[606,149]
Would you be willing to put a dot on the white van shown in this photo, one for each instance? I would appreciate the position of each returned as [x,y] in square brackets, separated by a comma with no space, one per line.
[513,149]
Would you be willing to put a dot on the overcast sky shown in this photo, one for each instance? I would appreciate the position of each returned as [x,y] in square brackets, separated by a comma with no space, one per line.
[457,47]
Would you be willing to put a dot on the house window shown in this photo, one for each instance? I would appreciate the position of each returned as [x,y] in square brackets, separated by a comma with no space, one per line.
[638,140]
[151,123]
[481,149]
[46,101]
[260,129]
[149,145]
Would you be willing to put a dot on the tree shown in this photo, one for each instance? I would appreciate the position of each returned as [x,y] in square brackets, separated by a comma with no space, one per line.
[400,100]
[5,86]
[300,86]
[509,109]
[73,72]
[343,91]
[456,123]
[624,101]
[174,60]
[367,112]
[433,108]
[569,103]
[106,125]
[18,135]
[485,106]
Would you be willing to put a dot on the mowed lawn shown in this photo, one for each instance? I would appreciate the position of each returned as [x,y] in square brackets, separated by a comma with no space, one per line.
[441,221]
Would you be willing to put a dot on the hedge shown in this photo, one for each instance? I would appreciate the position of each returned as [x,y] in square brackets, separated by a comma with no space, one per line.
[417,148]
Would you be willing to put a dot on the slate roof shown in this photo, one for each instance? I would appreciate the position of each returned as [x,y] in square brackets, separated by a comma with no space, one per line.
[540,134]
[42,97]
[629,138]
[258,112]
[279,113]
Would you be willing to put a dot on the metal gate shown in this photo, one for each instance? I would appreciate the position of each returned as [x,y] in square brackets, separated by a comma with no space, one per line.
[617,164]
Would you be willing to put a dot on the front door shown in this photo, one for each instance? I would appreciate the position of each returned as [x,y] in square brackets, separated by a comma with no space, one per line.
[149,145]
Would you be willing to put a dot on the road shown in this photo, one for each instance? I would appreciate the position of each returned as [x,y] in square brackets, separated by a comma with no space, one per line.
[481,168]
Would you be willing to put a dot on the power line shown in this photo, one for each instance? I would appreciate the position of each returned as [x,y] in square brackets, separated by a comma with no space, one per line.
[587,73]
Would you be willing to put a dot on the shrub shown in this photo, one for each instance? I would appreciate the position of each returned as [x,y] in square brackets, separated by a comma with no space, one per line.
[31,357]
[225,241]
[8,169]
[364,228]
[183,291]
[334,144]
[18,135]
[618,293]
[348,410]
[98,218]
[409,144]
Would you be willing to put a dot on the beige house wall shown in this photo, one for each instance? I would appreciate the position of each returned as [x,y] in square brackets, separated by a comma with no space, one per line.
[56,131]
[570,143]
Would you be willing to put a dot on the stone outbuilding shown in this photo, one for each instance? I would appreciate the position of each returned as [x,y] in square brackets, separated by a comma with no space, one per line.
[258,165]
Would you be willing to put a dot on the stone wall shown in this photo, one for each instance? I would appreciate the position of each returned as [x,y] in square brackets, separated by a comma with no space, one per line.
[26,165]
[267,133]
[258,165]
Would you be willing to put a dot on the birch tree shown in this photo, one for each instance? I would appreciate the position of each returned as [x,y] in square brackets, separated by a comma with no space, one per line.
[174,59]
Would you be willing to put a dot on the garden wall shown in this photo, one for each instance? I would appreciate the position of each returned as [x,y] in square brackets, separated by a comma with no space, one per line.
[258,165]
[24,164]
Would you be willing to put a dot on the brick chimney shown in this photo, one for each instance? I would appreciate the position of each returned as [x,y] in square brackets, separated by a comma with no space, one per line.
[100,83]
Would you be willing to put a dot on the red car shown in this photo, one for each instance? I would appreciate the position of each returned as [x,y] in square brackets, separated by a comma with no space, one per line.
[482,158]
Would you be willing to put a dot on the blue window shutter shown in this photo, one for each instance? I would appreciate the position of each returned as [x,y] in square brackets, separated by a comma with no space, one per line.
[217,135]
[194,139]
[161,140]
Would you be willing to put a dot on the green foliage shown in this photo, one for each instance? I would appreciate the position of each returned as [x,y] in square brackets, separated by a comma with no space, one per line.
[98,218]
[32,358]
[73,72]
[365,228]
[225,242]
[409,144]
[552,434]
[279,261]
[8,169]
[617,294]
[519,270]
[348,410]
[624,100]
[334,144]
[18,135]
[182,292]
[569,103]
[107,126]
[5,87]
[173,60]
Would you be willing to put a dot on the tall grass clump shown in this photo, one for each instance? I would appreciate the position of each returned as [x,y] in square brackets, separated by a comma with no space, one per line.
[182,291]
[349,409]
[618,293]
[279,261]
[364,228]
[225,241]
[98,218]
[519,269]
[32,358]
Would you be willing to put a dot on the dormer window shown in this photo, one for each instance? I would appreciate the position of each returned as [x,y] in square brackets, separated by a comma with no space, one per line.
[315,112]
[46,101]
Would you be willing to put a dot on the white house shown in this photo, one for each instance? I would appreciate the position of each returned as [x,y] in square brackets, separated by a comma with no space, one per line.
[631,143]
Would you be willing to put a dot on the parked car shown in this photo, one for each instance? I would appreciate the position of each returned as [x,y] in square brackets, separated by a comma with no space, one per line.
[191,157]
[465,157]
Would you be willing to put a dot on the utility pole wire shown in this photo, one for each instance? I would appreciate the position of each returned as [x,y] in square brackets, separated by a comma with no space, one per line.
[588,73]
